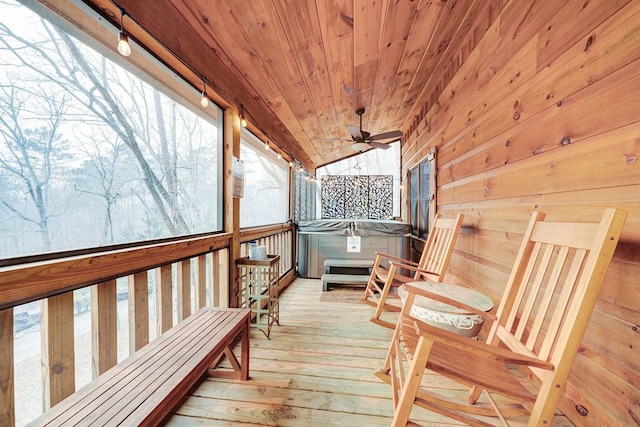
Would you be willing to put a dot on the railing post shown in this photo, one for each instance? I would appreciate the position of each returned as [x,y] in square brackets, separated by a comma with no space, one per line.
[201,281]
[221,278]
[164,305]
[7,399]
[104,327]
[58,364]
[184,289]
[231,204]
[138,311]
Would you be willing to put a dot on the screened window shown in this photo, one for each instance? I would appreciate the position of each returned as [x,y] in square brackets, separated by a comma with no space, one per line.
[413,198]
[421,196]
[266,184]
[90,154]
[303,195]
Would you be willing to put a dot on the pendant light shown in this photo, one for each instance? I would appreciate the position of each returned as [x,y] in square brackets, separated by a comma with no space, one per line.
[243,121]
[123,40]
[204,101]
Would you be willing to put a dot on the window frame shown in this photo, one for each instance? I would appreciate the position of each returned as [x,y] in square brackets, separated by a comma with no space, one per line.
[421,197]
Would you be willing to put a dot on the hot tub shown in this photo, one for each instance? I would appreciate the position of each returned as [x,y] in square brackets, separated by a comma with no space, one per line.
[445,316]
[327,239]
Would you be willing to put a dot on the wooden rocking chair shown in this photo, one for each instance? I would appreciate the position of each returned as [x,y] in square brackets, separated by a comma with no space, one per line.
[431,266]
[535,333]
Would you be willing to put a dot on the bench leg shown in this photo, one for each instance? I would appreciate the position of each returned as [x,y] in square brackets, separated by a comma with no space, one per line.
[244,336]
[240,369]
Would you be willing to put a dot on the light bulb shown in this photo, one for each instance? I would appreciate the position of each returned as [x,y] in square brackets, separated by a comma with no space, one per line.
[266,146]
[123,44]
[204,101]
[280,156]
[290,164]
[243,121]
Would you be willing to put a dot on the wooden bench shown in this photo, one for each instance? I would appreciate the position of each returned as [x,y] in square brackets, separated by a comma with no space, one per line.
[143,389]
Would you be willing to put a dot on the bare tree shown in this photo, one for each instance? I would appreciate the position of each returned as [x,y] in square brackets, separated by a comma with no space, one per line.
[101,165]
[31,153]
[63,62]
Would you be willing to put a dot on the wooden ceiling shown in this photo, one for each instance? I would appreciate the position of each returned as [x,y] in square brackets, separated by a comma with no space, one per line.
[301,68]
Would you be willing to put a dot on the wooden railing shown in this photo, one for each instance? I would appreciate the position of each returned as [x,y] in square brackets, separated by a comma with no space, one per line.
[194,269]
[278,239]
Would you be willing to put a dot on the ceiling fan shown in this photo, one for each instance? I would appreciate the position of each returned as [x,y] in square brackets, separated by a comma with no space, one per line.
[363,140]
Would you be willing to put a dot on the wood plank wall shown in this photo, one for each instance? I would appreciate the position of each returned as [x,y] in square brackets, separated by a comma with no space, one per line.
[544,113]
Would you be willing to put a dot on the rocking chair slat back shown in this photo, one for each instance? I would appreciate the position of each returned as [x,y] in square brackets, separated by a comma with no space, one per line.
[440,244]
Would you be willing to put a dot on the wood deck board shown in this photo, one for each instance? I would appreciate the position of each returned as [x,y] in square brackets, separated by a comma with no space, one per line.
[316,370]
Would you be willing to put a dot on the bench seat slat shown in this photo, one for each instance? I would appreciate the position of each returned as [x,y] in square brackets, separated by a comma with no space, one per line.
[145,387]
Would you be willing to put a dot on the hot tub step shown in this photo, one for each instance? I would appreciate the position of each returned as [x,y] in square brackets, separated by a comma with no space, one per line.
[361,263]
[348,266]
[343,279]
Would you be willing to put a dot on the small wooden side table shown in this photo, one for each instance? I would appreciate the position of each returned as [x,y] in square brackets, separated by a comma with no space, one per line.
[446,316]
[258,290]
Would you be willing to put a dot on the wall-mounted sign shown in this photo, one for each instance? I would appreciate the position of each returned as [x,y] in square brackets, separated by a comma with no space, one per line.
[237,178]
[353,243]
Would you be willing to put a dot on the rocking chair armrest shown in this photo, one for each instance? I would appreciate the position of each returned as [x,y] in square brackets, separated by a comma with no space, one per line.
[395,258]
[451,339]
[410,266]
[446,300]
[398,279]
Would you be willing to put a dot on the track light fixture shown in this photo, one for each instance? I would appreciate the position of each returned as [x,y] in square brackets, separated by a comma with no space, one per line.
[243,121]
[123,40]
[204,101]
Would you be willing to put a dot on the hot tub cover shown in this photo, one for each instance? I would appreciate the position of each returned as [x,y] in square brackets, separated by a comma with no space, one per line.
[355,227]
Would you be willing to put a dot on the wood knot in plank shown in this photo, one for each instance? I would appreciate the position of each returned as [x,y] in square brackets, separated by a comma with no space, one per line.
[589,42]
[346,19]
[582,411]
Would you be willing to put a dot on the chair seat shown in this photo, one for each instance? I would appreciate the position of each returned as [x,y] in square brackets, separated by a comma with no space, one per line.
[474,369]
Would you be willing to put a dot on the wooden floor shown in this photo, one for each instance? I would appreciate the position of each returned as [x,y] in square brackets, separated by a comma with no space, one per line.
[316,370]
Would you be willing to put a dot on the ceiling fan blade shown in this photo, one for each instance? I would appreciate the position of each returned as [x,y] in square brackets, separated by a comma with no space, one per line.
[386,135]
[355,132]
[378,145]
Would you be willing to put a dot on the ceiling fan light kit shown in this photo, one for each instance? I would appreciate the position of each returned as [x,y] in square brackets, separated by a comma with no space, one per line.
[360,146]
